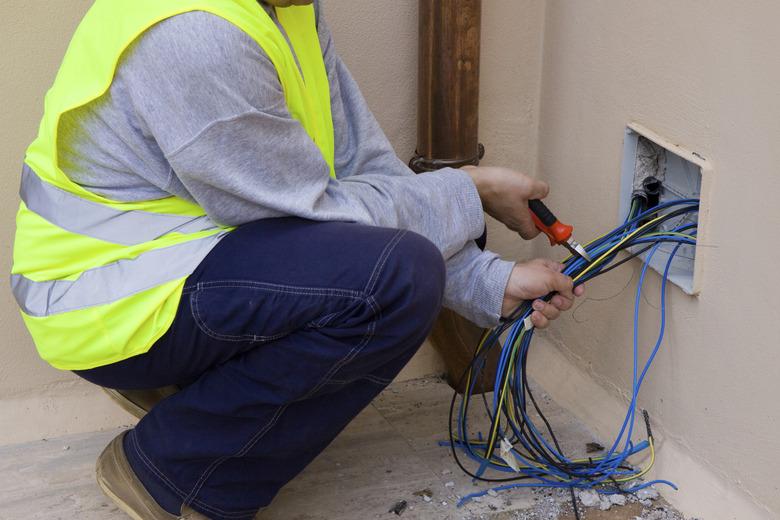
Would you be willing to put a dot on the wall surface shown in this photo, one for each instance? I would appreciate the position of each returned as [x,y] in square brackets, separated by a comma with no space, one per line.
[560,81]
[378,41]
[34,36]
[36,399]
[703,75]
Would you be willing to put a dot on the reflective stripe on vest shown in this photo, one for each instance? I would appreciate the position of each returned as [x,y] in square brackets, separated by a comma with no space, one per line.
[102,222]
[99,280]
[110,282]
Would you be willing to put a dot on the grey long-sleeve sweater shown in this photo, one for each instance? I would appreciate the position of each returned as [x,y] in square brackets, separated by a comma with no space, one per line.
[196,110]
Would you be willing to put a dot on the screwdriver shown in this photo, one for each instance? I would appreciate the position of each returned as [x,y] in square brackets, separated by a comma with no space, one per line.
[557,232]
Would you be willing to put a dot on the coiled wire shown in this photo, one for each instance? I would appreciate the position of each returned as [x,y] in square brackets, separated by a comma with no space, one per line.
[528,453]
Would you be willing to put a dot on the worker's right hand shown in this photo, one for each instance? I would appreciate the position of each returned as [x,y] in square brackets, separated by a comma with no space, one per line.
[535,279]
[505,194]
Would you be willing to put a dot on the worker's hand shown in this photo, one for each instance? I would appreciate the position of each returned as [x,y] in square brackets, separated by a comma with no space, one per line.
[535,279]
[505,194]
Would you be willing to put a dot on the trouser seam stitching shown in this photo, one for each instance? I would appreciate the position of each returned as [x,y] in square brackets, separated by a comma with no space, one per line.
[368,336]
[214,465]
[281,288]
[383,257]
[368,377]
[153,468]
[203,326]
[201,323]
[341,363]
[323,321]
[255,438]
[220,512]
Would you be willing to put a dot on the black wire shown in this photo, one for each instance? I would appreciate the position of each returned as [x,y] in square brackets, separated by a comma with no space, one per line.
[452,436]
[523,306]
[535,449]
[574,504]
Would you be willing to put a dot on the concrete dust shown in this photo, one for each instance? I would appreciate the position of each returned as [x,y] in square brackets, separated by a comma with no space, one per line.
[387,457]
[556,505]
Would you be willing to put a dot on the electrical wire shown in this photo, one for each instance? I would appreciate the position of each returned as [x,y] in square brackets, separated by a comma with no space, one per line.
[520,446]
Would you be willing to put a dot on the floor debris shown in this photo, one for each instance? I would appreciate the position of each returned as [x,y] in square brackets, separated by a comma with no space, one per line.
[647,493]
[618,499]
[426,494]
[399,507]
[593,447]
[548,505]
[43,481]
[661,513]
[589,498]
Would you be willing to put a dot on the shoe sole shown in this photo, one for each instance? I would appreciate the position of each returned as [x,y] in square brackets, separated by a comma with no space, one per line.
[126,404]
[117,501]
[137,504]
[103,484]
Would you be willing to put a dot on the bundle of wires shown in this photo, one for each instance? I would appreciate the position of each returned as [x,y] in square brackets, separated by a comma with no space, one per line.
[523,452]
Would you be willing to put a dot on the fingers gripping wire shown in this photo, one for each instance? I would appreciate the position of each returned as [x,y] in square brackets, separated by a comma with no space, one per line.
[520,448]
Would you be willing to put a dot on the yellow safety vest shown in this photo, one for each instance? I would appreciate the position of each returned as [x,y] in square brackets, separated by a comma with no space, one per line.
[98,280]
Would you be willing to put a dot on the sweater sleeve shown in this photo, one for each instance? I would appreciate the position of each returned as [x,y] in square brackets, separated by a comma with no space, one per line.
[213,101]
[476,280]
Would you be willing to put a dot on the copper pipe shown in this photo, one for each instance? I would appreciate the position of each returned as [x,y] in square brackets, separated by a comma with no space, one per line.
[448,84]
[447,135]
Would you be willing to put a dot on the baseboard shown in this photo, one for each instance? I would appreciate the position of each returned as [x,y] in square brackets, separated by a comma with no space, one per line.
[703,493]
[59,409]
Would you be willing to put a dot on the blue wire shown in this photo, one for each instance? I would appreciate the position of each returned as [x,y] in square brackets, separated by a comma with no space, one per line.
[576,475]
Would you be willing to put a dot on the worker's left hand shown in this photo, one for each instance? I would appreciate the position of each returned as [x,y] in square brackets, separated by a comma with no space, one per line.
[535,279]
[505,194]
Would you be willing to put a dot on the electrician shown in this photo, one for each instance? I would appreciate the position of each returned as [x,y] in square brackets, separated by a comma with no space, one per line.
[210,206]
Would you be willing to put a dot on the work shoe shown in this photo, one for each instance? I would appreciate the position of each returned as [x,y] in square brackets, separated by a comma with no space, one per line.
[139,402]
[118,481]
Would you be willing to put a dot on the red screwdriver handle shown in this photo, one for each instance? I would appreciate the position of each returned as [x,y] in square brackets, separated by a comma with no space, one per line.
[547,223]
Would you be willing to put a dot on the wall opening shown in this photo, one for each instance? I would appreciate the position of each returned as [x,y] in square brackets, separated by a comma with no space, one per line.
[661,172]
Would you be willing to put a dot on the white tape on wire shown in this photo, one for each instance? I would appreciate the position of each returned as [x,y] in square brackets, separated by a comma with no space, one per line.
[505,450]
[527,324]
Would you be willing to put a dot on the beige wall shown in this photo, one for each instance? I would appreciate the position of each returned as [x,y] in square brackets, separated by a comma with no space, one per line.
[705,75]
[378,41]
[36,399]
[702,74]
[34,36]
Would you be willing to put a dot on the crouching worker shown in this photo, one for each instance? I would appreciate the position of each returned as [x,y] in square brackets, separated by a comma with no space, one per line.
[210,208]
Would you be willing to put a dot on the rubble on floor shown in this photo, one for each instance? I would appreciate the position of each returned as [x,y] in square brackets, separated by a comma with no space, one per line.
[388,456]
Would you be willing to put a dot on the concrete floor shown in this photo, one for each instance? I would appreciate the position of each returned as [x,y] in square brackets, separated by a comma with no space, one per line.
[388,454]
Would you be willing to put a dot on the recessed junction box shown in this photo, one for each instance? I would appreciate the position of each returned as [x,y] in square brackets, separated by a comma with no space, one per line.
[661,171]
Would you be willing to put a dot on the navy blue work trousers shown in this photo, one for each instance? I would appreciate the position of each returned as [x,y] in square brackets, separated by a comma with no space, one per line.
[286,331]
